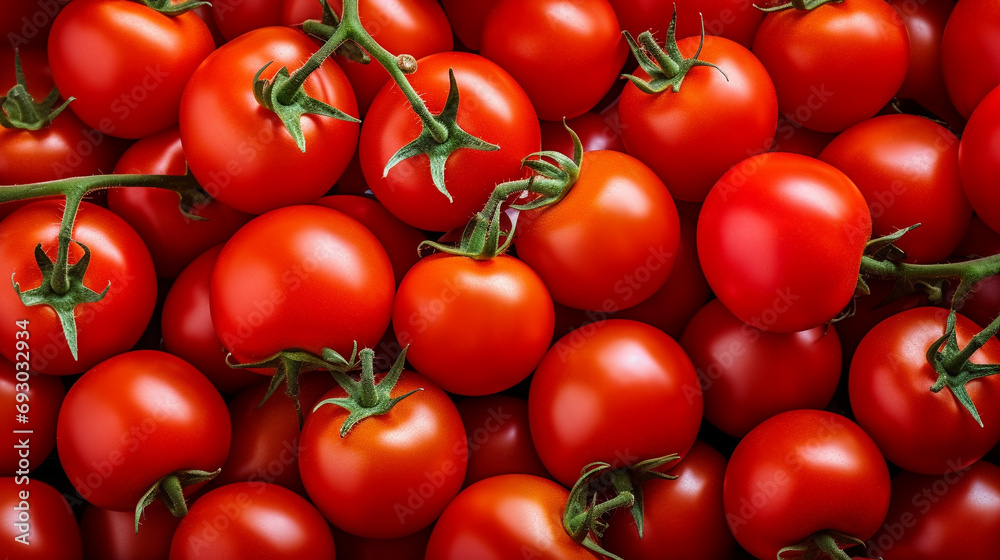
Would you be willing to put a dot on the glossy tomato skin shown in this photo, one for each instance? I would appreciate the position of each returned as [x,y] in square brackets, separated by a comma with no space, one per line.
[818,58]
[236,17]
[391,475]
[264,521]
[949,516]
[44,396]
[780,239]
[733,19]
[468,18]
[748,375]
[890,380]
[907,169]
[120,423]
[439,311]
[499,438]
[50,530]
[128,80]
[416,27]
[979,159]
[803,472]
[110,535]
[240,152]
[611,243]
[684,516]
[506,516]
[596,132]
[492,107]
[691,137]
[601,378]
[320,280]
[526,36]
[173,239]
[970,53]
[117,256]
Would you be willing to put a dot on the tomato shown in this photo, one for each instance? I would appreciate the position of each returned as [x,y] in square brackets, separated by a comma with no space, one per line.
[301,277]
[780,238]
[492,107]
[733,19]
[173,239]
[240,152]
[117,257]
[252,520]
[970,53]
[684,516]
[835,65]
[128,80]
[794,138]
[391,475]
[410,547]
[399,240]
[111,535]
[749,375]
[204,11]
[907,169]
[611,243]
[693,136]
[28,22]
[617,391]
[134,419]
[468,18]
[979,159]
[36,521]
[802,472]
[949,516]
[236,17]
[596,132]
[499,438]
[40,397]
[506,516]
[526,37]
[416,27]
[439,314]
[890,380]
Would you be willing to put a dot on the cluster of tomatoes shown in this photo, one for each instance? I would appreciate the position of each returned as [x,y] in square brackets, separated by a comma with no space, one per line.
[347,307]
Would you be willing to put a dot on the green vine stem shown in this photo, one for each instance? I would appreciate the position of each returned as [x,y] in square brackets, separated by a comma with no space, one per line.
[802,5]
[911,276]
[170,490]
[173,7]
[826,545]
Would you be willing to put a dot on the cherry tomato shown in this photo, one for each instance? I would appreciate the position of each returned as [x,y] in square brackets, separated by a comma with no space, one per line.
[40,396]
[979,159]
[36,521]
[733,19]
[467,19]
[111,535]
[28,22]
[236,17]
[499,438]
[983,304]
[970,53]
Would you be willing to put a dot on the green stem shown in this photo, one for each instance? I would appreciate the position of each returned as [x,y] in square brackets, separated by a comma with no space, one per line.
[60,278]
[968,273]
[173,492]
[957,361]
[829,545]
[369,397]
[74,186]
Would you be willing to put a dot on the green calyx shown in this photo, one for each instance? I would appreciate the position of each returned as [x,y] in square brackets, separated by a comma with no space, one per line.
[952,363]
[366,398]
[170,490]
[171,8]
[803,5]
[18,108]
[821,546]
[666,67]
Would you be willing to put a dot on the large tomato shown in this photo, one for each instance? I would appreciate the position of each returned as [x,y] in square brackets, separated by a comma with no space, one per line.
[970,53]
[780,238]
[468,18]
[240,152]
[979,159]
[36,523]
[499,438]
[110,535]
[40,397]
[733,19]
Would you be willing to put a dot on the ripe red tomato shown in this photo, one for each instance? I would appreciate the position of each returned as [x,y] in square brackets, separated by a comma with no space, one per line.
[907,169]
[979,159]
[467,19]
[391,475]
[983,304]
[611,243]
[499,438]
[110,535]
[252,520]
[492,107]
[733,19]
[36,523]
[236,17]
[800,473]
[693,136]
[40,396]
[970,53]
[596,132]
[120,425]
[780,238]
[617,391]
[27,23]
[240,152]
[818,58]
[128,79]
[104,328]
[302,277]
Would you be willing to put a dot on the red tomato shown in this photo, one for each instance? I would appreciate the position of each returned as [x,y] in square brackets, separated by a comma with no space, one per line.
[794,138]
[691,137]
[820,58]
[104,328]
[236,17]
[467,19]
[173,239]
[979,159]
[439,313]
[983,304]
[890,380]
[110,535]
[525,36]
[616,391]
[36,521]
[611,243]
[391,475]
[411,547]
[240,152]
[800,473]
[907,169]
[684,516]
[40,397]
[499,438]
[970,53]
[128,80]
[302,277]
[780,238]
[596,132]
[121,422]
[733,19]
[252,520]
[27,22]
[871,310]
[492,107]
